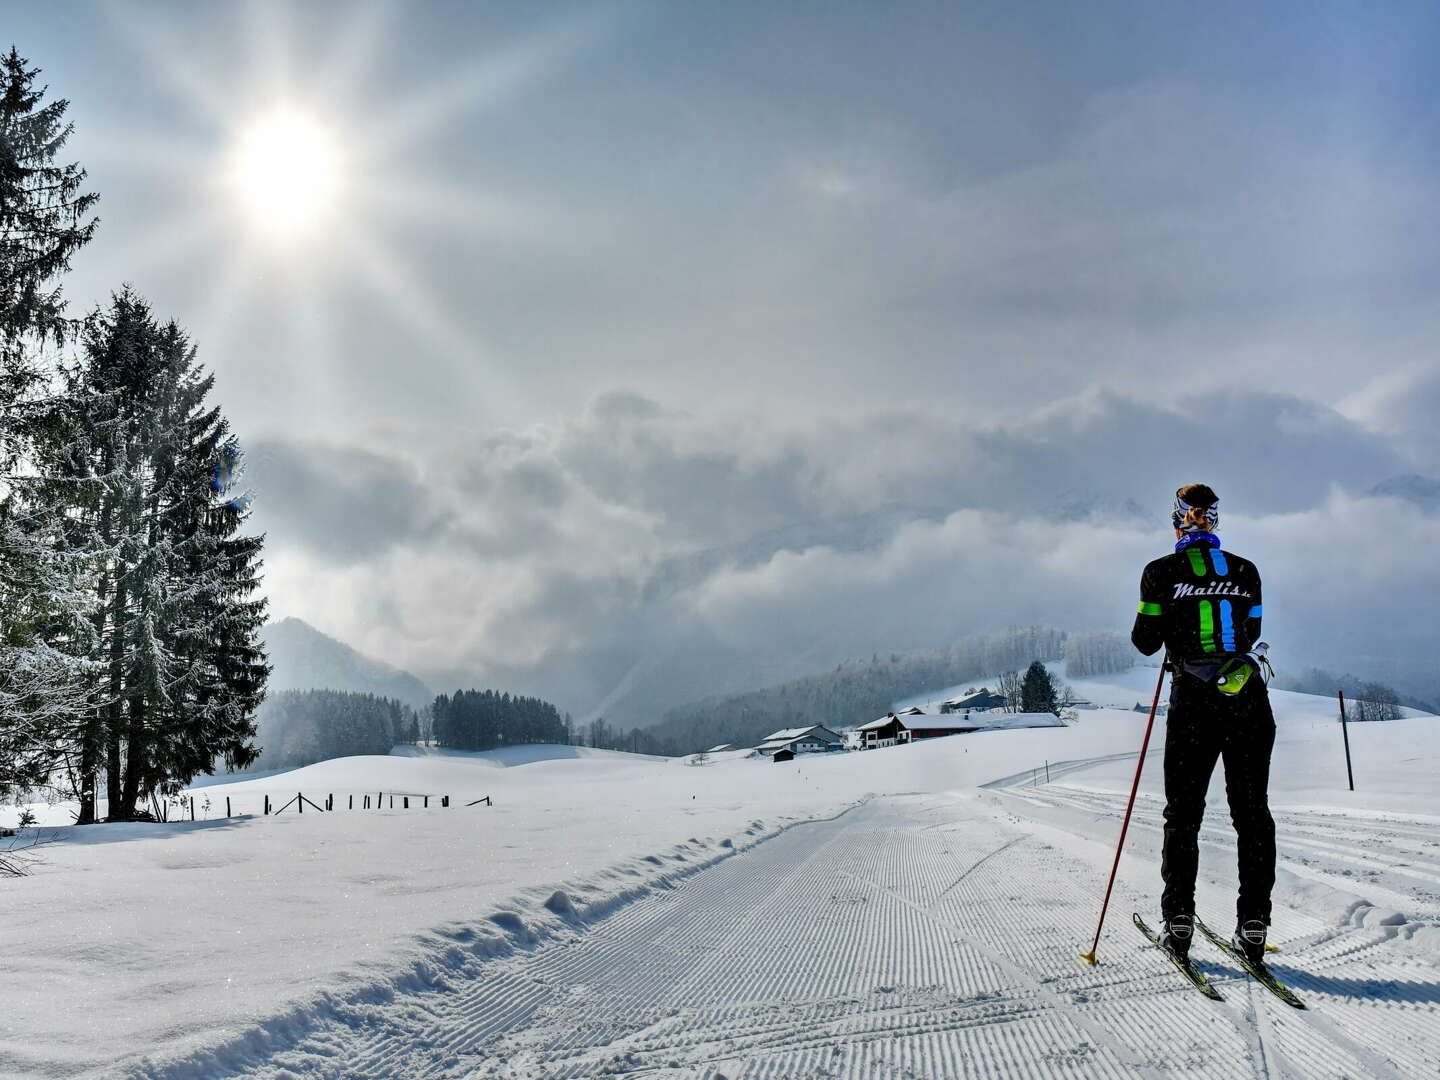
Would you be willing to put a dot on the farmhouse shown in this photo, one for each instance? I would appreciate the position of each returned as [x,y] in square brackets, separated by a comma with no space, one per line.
[889,730]
[807,740]
[898,729]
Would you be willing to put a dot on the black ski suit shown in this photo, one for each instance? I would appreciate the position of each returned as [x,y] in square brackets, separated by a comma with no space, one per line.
[1203,605]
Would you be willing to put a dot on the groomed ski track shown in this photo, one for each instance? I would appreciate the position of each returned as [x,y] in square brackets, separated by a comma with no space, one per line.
[914,936]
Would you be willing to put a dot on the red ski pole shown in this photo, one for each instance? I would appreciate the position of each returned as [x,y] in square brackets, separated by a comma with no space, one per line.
[1090,957]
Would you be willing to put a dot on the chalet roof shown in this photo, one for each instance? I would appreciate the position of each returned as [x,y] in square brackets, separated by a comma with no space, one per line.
[884,721]
[914,710]
[790,734]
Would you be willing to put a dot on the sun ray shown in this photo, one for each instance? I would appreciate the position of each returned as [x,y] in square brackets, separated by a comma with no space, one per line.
[484,85]
[156,43]
[439,203]
[355,50]
[458,348]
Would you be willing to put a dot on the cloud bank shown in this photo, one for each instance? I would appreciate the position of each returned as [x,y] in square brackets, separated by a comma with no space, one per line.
[635,556]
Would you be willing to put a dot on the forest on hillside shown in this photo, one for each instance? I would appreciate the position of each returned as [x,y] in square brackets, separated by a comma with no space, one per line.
[855,691]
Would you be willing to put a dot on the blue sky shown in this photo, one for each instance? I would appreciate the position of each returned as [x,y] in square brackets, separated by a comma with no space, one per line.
[604,287]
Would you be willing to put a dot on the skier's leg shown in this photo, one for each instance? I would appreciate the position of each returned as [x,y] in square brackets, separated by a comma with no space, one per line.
[1249,738]
[1191,749]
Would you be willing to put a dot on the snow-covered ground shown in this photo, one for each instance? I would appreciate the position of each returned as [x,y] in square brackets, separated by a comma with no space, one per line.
[911,911]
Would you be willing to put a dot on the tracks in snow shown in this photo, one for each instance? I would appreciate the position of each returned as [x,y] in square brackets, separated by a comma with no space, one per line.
[914,937]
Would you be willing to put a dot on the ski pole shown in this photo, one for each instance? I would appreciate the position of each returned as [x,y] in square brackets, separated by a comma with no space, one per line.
[1090,957]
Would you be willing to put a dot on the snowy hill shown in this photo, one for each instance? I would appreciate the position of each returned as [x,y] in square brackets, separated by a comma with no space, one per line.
[593,919]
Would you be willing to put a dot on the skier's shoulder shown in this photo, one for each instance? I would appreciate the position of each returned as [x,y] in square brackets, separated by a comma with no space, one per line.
[1165,564]
[1238,563]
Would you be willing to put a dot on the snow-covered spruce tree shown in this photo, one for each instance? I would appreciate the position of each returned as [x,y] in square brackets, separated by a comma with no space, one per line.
[1038,690]
[43,222]
[176,622]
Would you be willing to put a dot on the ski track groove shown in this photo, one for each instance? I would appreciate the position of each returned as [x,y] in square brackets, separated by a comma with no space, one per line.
[898,941]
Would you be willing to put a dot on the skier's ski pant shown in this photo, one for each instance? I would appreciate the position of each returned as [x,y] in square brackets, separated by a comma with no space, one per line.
[1203,725]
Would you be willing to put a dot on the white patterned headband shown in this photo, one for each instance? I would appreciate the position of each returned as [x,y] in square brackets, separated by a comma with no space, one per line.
[1212,517]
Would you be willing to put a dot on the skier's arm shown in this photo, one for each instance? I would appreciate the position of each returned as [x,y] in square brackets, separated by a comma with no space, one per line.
[1148,633]
[1252,620]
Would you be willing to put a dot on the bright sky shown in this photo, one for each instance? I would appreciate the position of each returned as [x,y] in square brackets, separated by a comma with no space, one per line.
[540,320]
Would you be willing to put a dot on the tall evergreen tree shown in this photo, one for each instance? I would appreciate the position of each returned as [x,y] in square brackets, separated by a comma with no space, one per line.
[150,470]
[1038,692]
[43,222]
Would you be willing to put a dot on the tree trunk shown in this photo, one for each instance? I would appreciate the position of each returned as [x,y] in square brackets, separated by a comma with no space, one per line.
[120,809]
[134,755]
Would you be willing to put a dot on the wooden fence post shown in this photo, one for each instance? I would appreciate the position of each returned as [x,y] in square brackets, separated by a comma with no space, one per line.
[392,802]
[444,800]
[267,805]
[192,807]
[427,802]
[352,802]
[405,802]
[227,805]
[330,801]
[301,808]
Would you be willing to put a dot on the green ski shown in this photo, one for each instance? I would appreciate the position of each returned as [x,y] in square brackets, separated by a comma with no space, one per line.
[1193,975]
[1259,972]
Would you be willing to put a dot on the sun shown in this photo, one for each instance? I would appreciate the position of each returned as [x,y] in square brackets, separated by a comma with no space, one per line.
[287,171]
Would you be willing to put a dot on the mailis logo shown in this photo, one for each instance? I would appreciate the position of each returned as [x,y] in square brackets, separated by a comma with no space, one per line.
[1211,588]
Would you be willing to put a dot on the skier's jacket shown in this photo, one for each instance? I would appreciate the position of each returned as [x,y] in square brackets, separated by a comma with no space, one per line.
[1201,603]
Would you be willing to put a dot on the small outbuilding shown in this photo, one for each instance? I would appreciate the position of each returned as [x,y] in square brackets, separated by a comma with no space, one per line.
[783,754]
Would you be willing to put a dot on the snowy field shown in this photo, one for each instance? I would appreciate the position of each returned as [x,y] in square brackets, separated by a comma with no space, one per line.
[914,911]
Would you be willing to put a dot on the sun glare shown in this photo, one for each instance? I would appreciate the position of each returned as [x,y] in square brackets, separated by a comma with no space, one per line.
[287,172]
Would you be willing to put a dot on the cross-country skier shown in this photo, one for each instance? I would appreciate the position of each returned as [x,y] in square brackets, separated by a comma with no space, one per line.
[1203,605]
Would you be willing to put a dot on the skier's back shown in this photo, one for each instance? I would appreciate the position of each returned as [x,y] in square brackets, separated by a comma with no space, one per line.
[1203,605]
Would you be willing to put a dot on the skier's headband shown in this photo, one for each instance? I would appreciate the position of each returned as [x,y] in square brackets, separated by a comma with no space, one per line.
[1182,520]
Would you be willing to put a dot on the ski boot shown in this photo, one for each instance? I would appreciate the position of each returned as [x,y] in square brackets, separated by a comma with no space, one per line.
[1176,933]
[1250,941]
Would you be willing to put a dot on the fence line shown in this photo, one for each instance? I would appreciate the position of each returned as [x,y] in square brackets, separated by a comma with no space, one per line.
[381,800]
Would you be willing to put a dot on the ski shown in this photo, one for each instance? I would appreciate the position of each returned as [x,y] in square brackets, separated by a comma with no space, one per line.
[1192,974]
[1259,972]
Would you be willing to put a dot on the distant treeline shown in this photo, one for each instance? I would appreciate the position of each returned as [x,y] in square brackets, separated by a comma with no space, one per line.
[301,727]
[856,691]
[486,719]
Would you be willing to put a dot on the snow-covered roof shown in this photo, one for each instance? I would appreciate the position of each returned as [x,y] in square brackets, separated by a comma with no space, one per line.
[889,718]
[914,710]
[983,694]
[722,746]
[786,734]
[1003,721]
[950,722]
